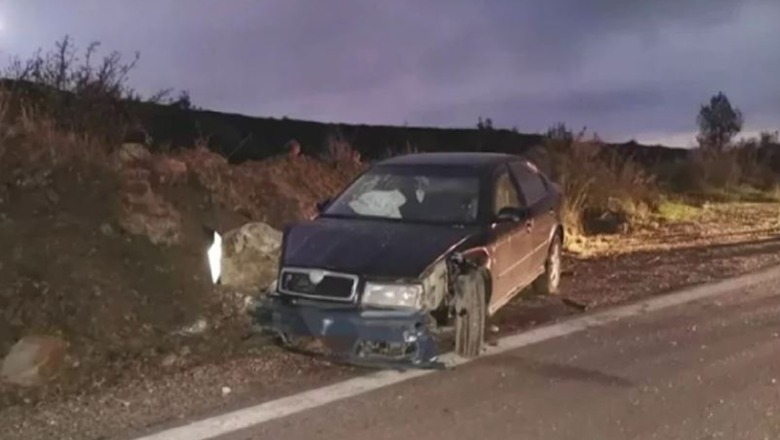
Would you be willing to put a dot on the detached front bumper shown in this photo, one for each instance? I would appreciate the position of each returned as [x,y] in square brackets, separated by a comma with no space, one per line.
[397,339]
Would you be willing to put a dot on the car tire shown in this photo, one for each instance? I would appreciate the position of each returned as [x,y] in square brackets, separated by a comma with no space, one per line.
[549,282]
[470,313]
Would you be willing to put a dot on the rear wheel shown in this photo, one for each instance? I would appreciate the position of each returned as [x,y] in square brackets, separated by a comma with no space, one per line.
[470,315]
[548,283]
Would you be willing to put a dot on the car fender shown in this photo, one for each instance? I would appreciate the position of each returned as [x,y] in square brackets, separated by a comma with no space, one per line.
[556,228]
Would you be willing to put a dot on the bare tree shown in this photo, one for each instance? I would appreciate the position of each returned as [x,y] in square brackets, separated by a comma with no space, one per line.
[81,91]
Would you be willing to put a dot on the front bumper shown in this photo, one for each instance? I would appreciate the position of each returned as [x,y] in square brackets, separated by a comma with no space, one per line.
[385,338]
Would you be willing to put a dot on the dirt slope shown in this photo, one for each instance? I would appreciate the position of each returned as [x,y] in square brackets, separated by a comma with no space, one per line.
[107,252]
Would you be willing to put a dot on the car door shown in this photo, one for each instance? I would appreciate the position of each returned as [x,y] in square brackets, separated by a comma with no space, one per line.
[540,204]
[511,242]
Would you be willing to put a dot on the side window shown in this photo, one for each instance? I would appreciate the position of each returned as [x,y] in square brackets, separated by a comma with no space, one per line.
[531,184]
[505,193]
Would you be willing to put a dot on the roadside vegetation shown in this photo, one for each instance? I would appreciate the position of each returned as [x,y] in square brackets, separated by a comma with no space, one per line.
[609,191]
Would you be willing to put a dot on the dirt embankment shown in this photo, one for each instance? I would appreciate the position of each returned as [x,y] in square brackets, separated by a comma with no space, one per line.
[106,253]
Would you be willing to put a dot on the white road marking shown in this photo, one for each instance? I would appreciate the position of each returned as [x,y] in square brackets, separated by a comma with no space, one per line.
[276,409]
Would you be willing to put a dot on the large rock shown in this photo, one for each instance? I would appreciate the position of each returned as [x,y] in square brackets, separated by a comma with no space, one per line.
[156,219]
[34,360]
[250,256]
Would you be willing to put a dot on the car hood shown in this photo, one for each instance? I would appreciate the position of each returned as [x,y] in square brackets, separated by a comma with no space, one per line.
[380,249]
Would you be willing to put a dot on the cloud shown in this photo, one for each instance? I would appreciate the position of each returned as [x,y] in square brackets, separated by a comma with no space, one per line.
[622,67]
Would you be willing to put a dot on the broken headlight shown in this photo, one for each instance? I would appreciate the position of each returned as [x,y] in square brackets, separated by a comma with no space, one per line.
[406,296]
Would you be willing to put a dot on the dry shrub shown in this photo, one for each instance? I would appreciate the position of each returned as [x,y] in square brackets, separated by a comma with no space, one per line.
[715,169]
[339,151]
[32,137]
[705,172]
[79,90]
[604,192]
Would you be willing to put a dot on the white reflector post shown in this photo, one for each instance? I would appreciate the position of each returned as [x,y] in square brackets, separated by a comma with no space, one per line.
[215,258]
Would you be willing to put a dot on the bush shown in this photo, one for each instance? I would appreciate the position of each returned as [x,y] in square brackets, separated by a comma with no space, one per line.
[80,93]
[604,192]
[708,171]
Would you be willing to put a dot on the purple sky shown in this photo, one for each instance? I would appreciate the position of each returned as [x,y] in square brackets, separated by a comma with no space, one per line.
[624,68]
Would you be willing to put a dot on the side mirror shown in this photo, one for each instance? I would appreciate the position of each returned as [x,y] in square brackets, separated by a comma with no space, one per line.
[511,215]
[323,204]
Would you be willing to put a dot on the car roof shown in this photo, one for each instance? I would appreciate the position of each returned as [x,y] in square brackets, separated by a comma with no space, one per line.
[472,159]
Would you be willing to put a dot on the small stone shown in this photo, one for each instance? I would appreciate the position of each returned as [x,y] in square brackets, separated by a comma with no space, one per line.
[52,196]
[247,304]
[199,326]
[494,329]
[106,229]
[226,391]
[34,360]
[169,360]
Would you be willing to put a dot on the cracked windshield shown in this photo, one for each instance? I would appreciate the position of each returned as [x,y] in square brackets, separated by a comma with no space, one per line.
[389,219]
[410,197]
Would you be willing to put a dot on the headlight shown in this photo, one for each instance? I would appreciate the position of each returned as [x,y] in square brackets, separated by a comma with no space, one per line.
[393,295]
[215,258]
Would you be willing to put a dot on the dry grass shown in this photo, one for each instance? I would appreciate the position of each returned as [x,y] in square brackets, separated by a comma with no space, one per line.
[677,211]
[604,193]
[679,225]
[32,138]
[339,151]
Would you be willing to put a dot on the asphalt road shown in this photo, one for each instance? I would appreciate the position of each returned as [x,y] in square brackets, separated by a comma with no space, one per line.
[704,370]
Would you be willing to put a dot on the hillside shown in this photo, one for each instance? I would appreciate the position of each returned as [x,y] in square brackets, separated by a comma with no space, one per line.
[242,138]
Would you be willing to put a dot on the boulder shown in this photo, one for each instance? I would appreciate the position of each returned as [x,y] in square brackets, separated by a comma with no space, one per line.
[250,256]
[34,360]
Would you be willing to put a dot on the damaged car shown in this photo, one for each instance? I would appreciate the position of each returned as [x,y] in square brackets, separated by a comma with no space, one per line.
[416,243]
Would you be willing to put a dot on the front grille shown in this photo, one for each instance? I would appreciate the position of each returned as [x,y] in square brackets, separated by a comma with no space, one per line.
[318,284]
